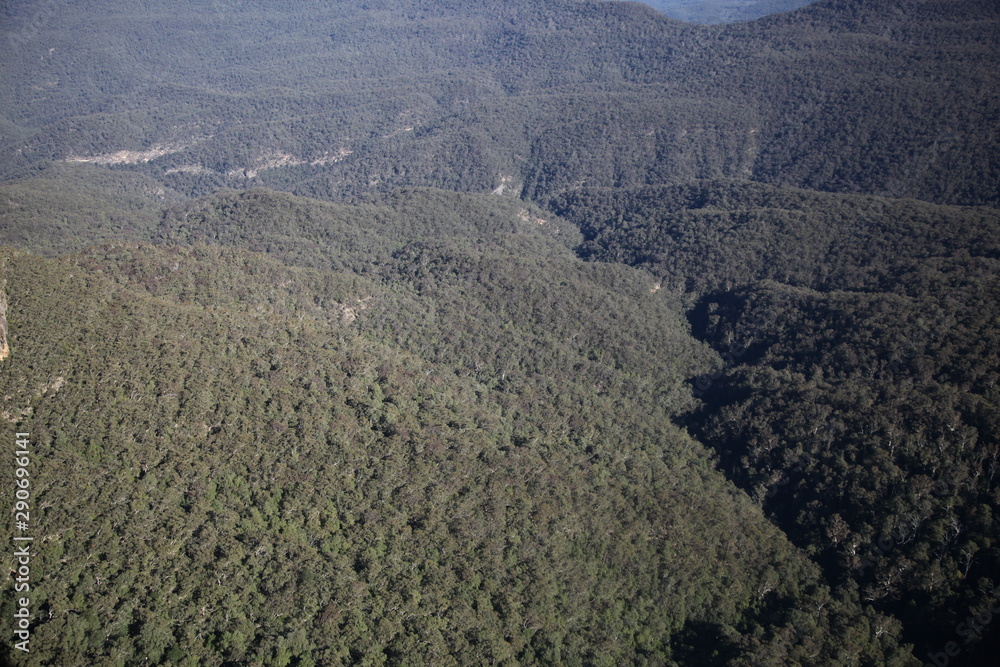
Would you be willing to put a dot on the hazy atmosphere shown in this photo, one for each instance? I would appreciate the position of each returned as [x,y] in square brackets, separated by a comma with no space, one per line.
[518,332]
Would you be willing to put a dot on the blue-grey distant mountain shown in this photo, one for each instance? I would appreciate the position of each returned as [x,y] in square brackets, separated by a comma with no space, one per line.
[723,11]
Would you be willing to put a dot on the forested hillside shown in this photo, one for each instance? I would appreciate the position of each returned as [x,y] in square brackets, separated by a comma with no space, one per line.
[437,456]
[502,332]
[858,402]
[327,98]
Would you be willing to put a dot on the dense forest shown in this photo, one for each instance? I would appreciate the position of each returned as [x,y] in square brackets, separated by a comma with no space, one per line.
[329,98]
[502,332]
[857,403]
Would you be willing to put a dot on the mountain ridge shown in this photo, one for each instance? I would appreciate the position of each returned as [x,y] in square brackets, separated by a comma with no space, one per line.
[782,108]
[702,11]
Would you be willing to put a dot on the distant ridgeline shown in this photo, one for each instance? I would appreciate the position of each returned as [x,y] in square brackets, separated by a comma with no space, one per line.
[723,11]
[533,333]
[895,98]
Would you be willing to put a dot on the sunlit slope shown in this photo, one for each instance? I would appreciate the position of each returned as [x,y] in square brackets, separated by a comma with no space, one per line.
[238,462]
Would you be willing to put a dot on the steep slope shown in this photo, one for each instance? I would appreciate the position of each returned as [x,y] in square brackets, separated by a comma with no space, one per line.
[858,400]
[301,486]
